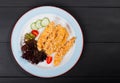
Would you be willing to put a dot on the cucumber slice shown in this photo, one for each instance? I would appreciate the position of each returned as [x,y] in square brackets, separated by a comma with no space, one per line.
[33,26]
[38,24]
[45,22]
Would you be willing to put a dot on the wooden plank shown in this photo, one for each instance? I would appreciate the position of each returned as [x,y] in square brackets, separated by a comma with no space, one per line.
[58,80]
[9,16]
[98,24]
[8,65]
[97,60]
[81,3]
[89,3]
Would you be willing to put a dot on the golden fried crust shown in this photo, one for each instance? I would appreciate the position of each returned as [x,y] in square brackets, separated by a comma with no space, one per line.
[48,47]
[44,35]
[52,38]
[62,51]
[61,37]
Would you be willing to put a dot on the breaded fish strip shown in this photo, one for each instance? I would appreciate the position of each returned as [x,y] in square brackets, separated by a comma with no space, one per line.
[63,41]
[56,39]
[49,47]
[62,51]
[62,34]
[43,37]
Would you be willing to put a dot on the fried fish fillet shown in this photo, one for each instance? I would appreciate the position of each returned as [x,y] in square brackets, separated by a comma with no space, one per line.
[52,38]
[62,51]
[49,46]
[61,37]
[44,35]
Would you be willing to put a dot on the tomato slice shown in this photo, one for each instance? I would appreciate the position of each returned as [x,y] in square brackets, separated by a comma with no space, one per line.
[49,59]
[35,32]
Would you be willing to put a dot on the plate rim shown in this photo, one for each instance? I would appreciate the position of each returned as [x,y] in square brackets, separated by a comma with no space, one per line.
[14,29]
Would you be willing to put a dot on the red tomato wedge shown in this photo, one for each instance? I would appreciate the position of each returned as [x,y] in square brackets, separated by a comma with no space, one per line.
[49,59]
[35,32]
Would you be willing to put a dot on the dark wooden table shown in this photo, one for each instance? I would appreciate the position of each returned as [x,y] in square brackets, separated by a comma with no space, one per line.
[100,22]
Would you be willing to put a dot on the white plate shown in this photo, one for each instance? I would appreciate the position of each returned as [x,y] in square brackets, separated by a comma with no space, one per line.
[59,16]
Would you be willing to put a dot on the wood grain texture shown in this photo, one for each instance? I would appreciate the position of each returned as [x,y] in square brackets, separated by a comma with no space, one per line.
[80,3]
[98,59]
[58,80]
[98,24]
[38,80]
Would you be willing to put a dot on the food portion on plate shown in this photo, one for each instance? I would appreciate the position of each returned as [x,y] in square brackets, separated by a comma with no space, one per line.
[50,45]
